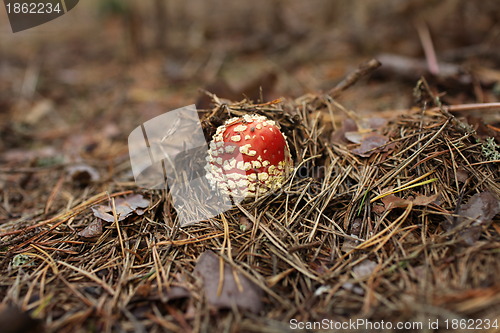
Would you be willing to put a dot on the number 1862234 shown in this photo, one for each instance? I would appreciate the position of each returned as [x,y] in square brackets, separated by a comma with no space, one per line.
[33,8]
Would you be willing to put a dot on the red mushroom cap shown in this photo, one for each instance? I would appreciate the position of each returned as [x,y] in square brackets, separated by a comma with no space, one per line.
[248,155]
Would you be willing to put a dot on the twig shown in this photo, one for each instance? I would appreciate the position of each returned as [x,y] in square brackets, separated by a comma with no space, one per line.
[467,107]
[395,65]
[428,46]
[353,77]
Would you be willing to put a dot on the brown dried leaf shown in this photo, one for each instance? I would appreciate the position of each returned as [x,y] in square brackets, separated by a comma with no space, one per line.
[102,212]
[93,230]
[339,135]
[462,175]
[355,136]
[391,201]
[349,130]
[370,144]
[124,208]
[248,298]
[480,210]
[177,292]
[377,208]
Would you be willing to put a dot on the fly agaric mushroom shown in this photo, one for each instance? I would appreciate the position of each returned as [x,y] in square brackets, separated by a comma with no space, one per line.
[248,156]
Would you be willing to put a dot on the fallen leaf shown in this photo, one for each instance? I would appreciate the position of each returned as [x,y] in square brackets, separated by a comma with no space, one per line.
[177,292]
[92,230]
[474,215]
[462,175]
[246,298]
[349,131]
[355,136]
[377,208]
[339,135]
[124,208]
[423,200]
[391,201]
[102,212]
[370,144]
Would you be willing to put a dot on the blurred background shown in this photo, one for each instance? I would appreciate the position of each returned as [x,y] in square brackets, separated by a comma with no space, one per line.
[108,65]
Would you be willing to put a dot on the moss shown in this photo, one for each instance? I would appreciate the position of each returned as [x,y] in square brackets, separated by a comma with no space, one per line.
[490,149]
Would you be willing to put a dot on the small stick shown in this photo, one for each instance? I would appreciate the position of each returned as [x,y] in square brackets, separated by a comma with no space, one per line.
[428,46]
[467,107]
[353,77]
